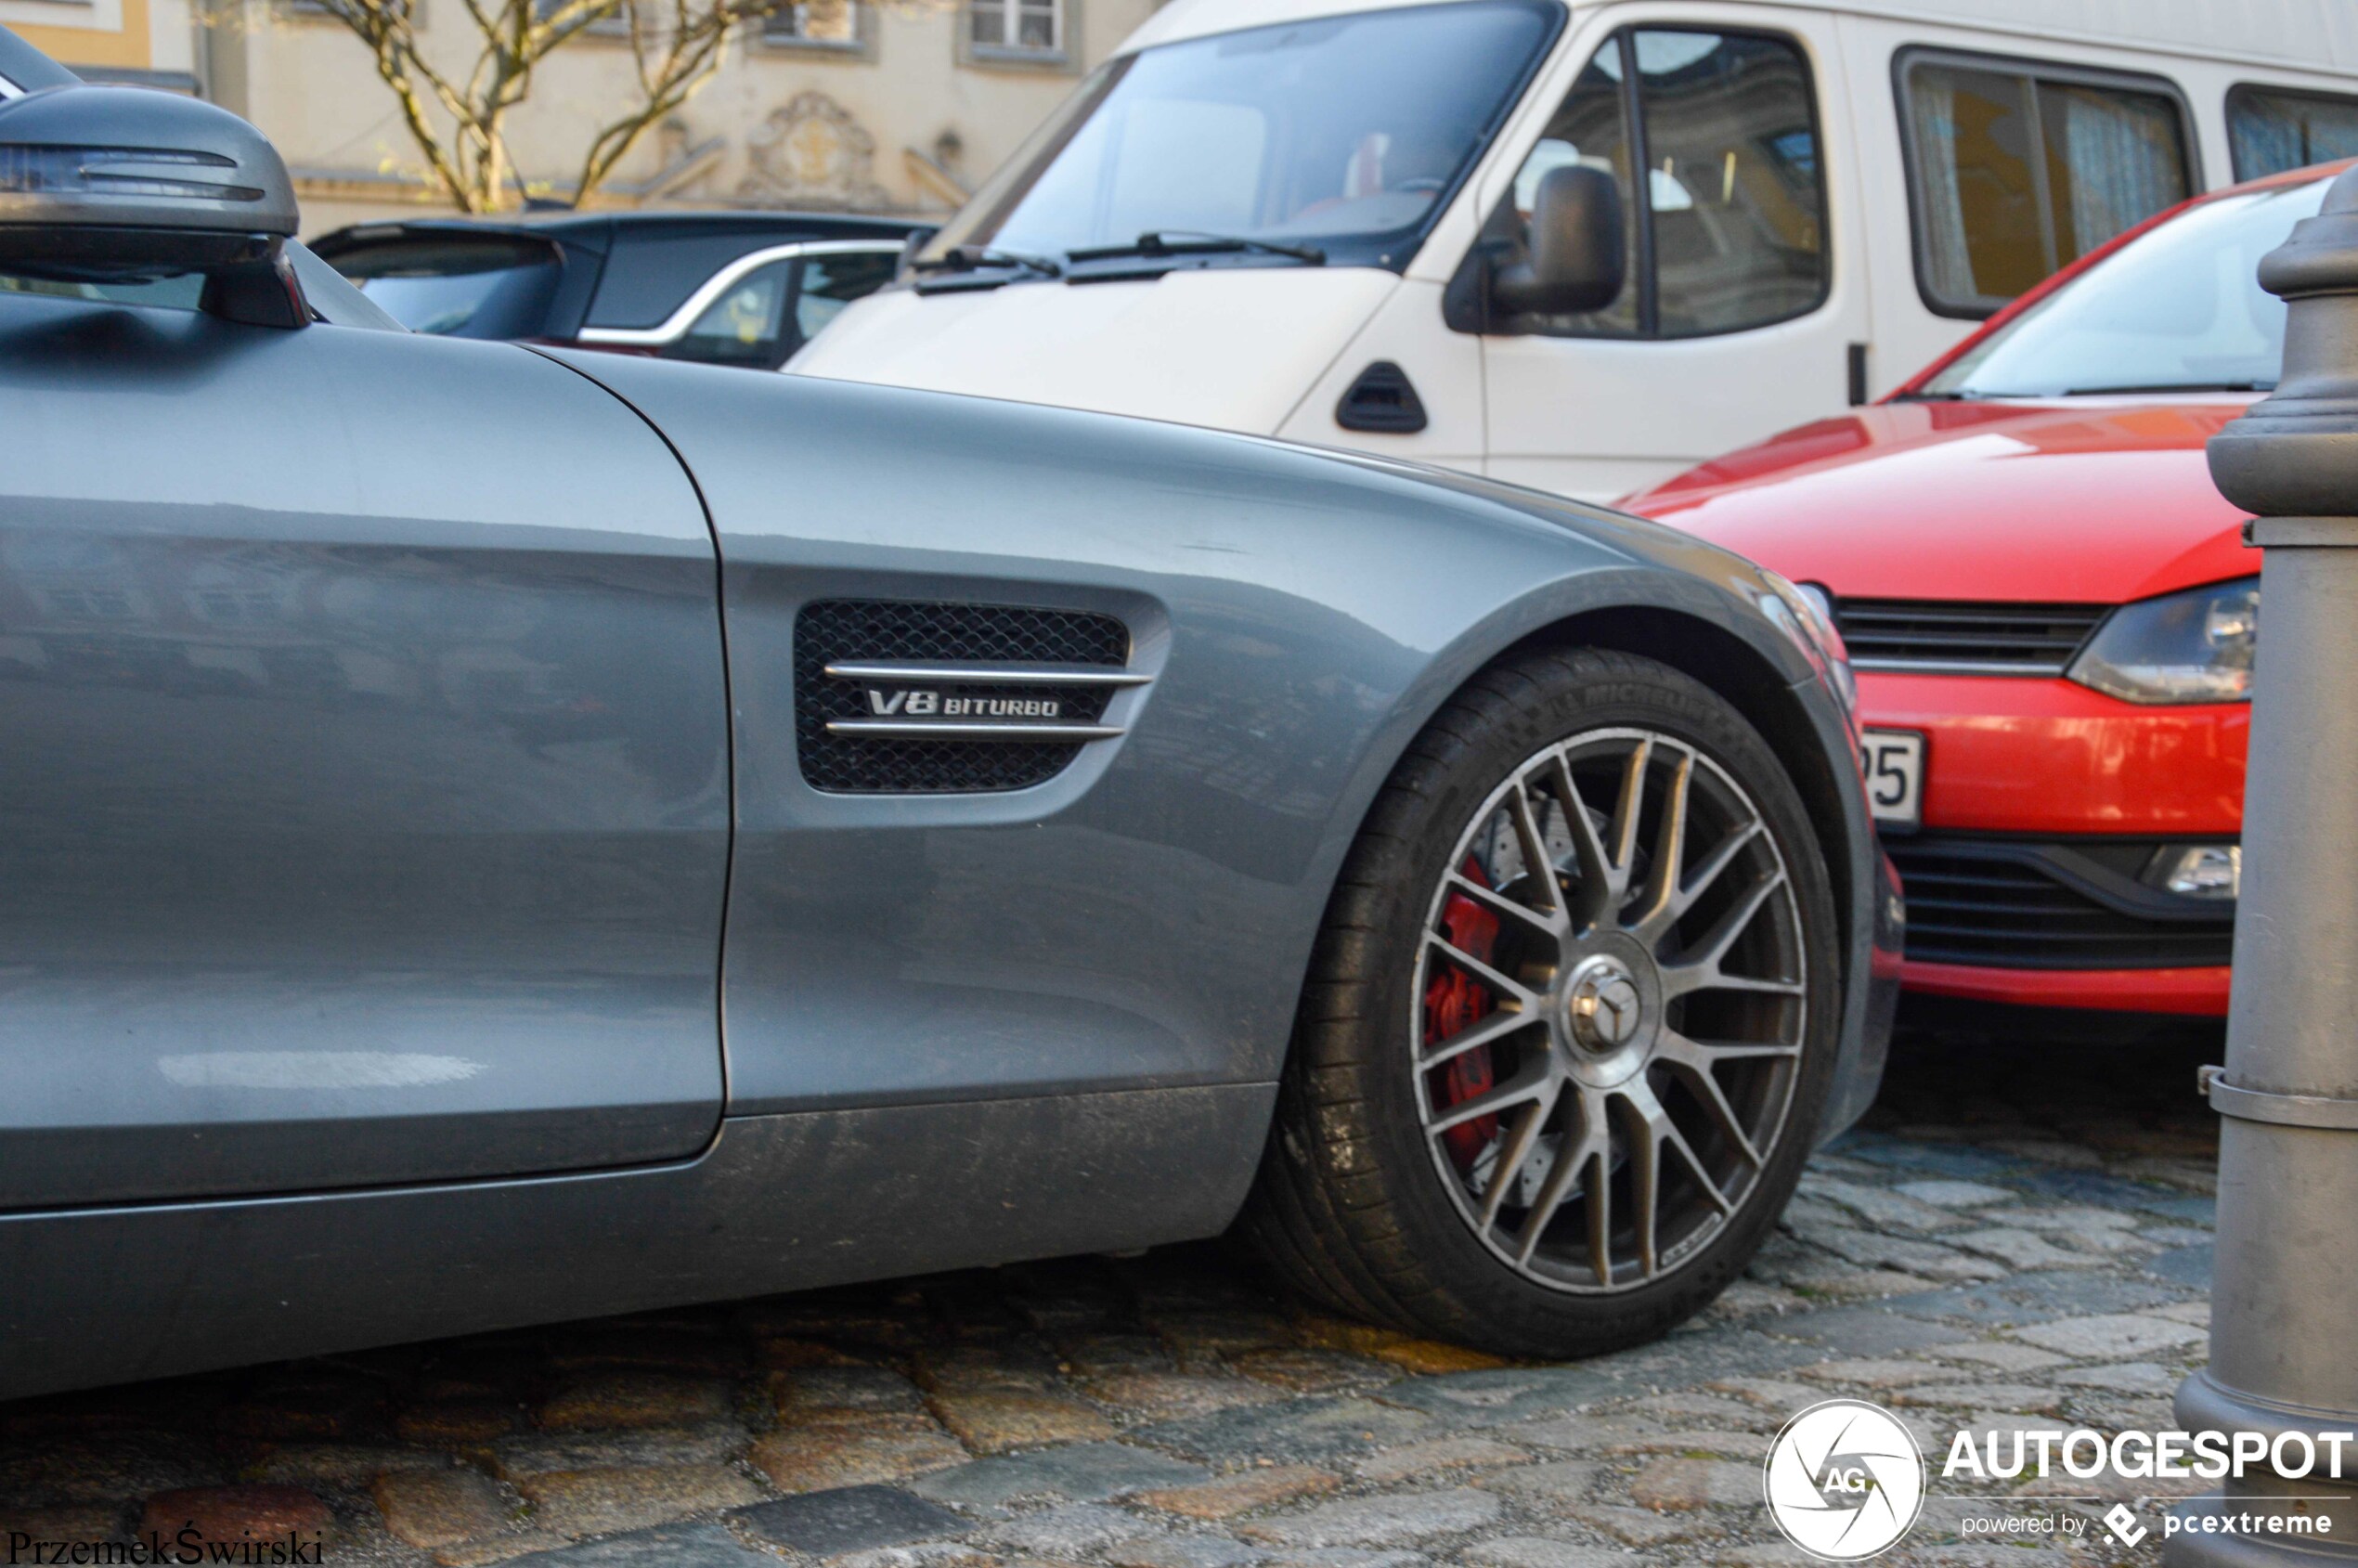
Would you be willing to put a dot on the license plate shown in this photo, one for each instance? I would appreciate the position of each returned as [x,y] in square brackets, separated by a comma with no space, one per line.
[1894,763]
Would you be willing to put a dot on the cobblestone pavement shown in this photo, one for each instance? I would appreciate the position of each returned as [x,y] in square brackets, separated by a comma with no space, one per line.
[2020,1237]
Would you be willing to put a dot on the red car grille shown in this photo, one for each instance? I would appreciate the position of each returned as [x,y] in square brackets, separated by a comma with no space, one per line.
[2010,905]
[1936,635]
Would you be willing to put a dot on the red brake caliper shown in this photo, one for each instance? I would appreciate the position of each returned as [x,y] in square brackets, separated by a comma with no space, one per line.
[1454,1002]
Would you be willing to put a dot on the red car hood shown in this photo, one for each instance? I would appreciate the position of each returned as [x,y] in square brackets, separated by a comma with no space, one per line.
[2086,500]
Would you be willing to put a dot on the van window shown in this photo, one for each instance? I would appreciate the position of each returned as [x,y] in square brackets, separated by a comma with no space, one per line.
[1344,133]
[2272,129]
[2015,169]
[1733,186]
[1591,127]
[1730,232]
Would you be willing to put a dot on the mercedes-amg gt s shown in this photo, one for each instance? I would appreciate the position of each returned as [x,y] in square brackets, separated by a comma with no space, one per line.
[491,834]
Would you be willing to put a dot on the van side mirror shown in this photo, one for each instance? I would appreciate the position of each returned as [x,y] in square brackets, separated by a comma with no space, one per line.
[1575,262]
[122,185]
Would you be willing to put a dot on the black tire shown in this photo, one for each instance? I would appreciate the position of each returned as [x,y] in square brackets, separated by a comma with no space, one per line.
[1351,1207]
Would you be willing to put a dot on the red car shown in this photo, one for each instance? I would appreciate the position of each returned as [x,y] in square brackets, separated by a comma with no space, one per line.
[2051,611]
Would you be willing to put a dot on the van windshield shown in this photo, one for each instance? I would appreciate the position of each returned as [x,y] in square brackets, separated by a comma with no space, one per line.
[2177,309]
[1346,134]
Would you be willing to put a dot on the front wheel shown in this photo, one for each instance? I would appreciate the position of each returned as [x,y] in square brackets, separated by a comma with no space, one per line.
[1570,1021]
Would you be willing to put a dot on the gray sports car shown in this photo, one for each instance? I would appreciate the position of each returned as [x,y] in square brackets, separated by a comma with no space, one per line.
[490,835]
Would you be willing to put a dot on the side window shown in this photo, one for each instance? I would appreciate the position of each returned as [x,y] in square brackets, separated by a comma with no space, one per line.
[2016,169]
[743,326]
[830,283]
[1591,127]
[1737,196]
[2272,129]
[1728,232]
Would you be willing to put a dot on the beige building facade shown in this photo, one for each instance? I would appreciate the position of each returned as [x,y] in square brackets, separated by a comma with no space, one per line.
[149,41]
[898,108]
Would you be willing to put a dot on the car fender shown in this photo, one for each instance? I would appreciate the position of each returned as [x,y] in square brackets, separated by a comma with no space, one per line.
[1304,613]
[1717,617]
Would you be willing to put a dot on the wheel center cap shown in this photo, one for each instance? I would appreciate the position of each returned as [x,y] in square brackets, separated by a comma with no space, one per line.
[1603,1007]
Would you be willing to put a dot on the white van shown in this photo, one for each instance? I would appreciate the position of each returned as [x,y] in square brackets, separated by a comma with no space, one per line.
[1412,227]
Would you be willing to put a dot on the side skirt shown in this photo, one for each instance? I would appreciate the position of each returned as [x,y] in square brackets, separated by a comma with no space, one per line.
[786,1202]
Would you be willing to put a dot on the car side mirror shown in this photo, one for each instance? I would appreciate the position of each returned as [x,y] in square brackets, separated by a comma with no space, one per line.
[122,185]
[1575,262]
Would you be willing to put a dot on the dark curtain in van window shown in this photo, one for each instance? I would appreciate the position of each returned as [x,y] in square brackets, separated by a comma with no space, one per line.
[2272,132]
[2113,161]
[2016,176]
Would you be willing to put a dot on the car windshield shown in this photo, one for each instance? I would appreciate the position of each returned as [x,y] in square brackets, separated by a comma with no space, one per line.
[464,286]
[1344,133]
[2177,309]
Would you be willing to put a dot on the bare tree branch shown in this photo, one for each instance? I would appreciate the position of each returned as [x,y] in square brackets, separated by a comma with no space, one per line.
[460,123]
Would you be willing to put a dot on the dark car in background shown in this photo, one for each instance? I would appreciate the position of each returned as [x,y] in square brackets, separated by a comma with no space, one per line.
[744,289]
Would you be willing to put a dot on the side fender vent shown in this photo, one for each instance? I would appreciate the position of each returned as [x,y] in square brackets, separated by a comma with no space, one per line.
[1382,400]
[895,698]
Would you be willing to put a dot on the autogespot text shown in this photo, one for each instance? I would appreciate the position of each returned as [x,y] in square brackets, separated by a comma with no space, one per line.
[2206,1456]
[2086,1454]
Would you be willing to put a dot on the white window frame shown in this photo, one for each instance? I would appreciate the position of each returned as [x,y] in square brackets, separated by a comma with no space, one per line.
[1011,13]
[675,325]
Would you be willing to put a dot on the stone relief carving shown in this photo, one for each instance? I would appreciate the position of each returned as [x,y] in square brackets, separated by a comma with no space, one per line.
[811,152]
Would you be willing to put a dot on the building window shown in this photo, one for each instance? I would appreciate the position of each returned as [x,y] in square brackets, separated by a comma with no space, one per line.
[315,9]
[2272,129]
[805,26]
[1016,27]
[614,24]
[2016,169]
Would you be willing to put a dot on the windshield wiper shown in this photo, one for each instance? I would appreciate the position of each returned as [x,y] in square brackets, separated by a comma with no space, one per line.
[2022,394]
[1191,243]
[2172,386]
[966,258]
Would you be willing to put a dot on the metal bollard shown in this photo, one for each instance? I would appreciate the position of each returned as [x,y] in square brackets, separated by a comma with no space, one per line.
[2284,1330]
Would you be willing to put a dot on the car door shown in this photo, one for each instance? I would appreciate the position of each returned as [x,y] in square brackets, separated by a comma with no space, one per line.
[364,807]
[1744,309]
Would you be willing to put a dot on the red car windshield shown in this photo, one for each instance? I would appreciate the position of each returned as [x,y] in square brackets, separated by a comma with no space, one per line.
[2177,309]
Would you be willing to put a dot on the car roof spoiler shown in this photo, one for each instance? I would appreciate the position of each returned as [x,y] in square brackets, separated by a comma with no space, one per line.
[24,68]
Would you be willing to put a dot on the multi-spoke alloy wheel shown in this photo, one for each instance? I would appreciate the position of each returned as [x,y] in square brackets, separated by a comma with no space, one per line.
[1610,999]
[1571,1021]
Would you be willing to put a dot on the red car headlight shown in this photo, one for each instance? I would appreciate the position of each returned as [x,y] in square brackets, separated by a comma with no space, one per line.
[2190,647]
